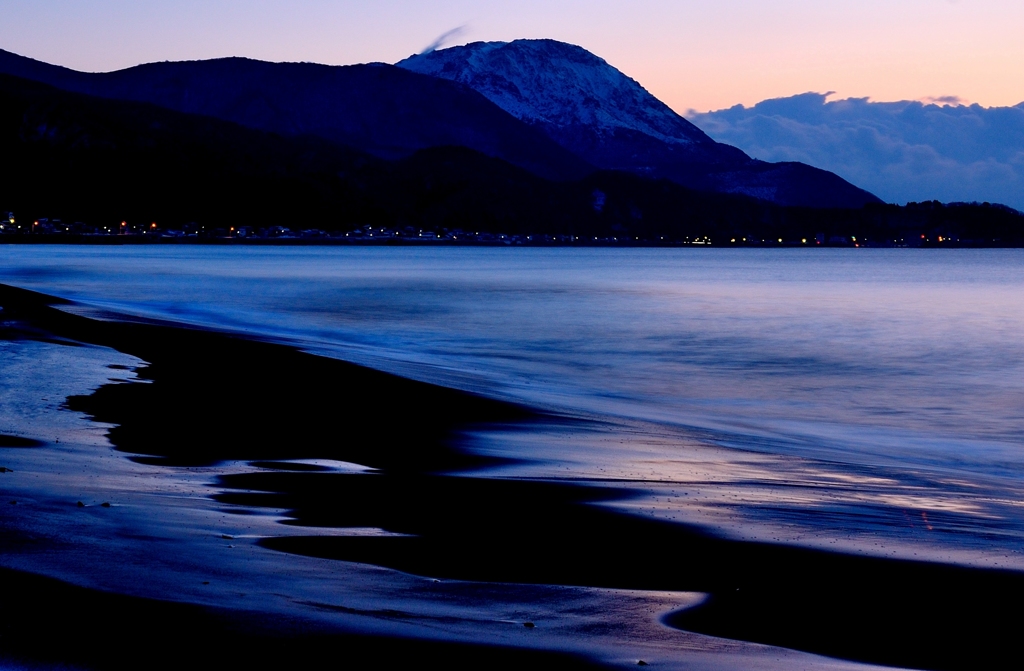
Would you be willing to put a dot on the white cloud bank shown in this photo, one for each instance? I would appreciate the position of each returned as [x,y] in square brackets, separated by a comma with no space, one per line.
[902,151]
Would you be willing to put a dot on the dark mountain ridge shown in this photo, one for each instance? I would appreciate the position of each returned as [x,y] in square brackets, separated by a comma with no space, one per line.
[100,161]
[379,109]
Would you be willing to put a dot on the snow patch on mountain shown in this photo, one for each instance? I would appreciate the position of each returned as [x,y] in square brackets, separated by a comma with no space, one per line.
[557,85]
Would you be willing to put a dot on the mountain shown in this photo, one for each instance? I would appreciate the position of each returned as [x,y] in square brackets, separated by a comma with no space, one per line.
[386,111]
[611,121]
[77,157]
[903,151]
[551,108]
[82,158]
[576,97]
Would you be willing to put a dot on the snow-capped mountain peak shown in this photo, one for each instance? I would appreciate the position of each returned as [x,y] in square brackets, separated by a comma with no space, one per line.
[559,86]
[609,120]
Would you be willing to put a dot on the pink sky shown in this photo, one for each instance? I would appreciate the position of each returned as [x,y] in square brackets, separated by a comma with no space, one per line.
[692,54]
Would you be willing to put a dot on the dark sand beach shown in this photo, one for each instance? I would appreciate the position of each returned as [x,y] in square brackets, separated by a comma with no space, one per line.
[203,398]
[47,623]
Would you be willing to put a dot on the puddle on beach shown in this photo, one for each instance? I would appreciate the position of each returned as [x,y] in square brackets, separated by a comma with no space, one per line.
[680,475]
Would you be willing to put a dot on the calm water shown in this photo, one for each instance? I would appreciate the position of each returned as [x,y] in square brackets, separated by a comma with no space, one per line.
[866,399]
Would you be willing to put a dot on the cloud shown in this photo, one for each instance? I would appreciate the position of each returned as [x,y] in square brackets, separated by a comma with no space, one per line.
[445,38]
[945,100]
[901,151]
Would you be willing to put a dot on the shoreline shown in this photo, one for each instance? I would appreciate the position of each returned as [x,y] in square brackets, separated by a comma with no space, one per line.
[143,240]
[205,397]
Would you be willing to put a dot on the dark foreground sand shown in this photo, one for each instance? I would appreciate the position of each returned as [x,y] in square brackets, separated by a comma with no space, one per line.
[213,398]
[48,622]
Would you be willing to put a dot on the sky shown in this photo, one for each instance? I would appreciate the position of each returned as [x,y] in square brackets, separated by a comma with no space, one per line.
[693,54]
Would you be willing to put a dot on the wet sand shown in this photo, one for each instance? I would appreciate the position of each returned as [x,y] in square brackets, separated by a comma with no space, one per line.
[47,622]
[205,398]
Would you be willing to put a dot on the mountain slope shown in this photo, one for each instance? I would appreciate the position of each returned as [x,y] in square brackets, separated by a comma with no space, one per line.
[78,157]
[610,120]
[377,108]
